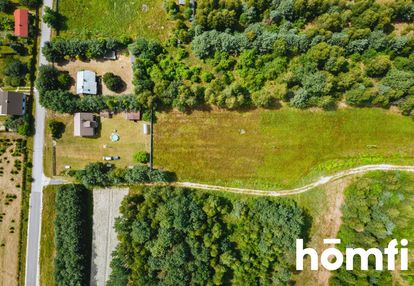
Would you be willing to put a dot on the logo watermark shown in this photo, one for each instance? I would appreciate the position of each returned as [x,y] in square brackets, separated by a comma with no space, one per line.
[391,251]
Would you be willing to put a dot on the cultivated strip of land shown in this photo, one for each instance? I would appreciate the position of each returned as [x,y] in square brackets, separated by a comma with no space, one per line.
[106,203]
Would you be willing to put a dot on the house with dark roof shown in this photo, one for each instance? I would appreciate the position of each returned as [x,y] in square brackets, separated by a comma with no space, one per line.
[21,23]
[12,103]
[84,125]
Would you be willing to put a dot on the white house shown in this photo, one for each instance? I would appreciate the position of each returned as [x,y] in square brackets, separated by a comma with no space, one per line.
[86,83]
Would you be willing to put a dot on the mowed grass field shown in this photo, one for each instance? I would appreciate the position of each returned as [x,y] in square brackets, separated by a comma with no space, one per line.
[77,152]
[114,18]
[281,148]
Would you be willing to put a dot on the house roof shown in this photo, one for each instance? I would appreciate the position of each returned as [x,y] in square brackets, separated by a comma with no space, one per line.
[86,83]
[21,23]
[12,103]
[84,125]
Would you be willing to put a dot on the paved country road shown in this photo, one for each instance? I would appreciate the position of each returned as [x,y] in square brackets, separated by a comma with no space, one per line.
[35,211]
[321,181]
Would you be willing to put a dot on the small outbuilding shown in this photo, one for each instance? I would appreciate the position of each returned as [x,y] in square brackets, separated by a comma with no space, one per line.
[84,125]
[86,83]
[182,2]
[21,23]
[110,55]
[133,116]
[12,103]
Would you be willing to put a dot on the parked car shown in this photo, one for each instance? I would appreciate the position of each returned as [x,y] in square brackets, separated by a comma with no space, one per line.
[111,158]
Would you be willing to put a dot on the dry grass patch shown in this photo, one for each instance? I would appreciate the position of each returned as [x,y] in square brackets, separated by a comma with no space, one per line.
[47,241]
[10,209]
[281,148]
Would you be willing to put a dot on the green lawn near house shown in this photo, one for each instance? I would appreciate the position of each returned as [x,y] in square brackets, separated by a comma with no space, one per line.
[77,152]
[114,18]
[278,148]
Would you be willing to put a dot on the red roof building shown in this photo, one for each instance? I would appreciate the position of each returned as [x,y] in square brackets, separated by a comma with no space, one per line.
[21,23]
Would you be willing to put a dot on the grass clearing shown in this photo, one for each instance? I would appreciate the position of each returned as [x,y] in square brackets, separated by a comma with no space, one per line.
[281,148]
[77,152]
[114,18]
[47,241]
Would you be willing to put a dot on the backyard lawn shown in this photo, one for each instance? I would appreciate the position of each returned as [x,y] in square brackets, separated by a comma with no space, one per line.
[281,148]
[112,18]
[77,152]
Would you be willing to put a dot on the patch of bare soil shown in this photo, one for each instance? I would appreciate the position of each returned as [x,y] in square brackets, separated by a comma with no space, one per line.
[10,205]
[121,67]
[328,224]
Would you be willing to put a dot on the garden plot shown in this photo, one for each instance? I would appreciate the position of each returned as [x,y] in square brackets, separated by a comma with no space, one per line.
[11,171]
[106,203]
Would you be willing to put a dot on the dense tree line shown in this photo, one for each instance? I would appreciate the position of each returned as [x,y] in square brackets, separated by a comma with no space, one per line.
[102,175]
[304,52]
[374,213]
[180,237]
[71,261]
[61,49]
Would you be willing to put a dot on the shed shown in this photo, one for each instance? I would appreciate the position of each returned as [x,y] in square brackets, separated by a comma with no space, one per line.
[84,125]
[181,2]
[21,23]
[146,128]
[133,116]
[110,55]
[86,83]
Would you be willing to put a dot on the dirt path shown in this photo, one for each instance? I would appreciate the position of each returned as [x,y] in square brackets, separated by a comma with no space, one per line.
[320,182]
[331,220]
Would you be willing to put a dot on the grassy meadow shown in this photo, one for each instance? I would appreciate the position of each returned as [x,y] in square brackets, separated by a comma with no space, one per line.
[279,148]
[47,242]
[112,18]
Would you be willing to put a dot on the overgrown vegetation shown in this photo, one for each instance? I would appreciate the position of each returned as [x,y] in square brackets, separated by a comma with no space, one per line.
[71,236]
[378,208]
[102,175]
[305,53]
[180,237]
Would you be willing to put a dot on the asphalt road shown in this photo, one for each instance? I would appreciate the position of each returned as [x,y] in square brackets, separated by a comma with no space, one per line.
[35,211]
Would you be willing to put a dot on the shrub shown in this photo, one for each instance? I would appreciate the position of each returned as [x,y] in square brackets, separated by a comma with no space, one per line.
[378,66]
[64,80]
[71,261]
[4,5]
[113,82]
[16,72]
[141,157]
[56,128]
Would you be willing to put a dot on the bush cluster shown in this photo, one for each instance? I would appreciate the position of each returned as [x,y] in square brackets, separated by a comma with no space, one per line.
[71,261]
[60,49]
[100,174]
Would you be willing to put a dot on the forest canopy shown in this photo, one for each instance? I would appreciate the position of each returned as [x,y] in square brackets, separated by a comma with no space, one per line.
[180,237]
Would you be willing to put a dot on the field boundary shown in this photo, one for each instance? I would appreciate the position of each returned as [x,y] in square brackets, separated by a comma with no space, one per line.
[281,193]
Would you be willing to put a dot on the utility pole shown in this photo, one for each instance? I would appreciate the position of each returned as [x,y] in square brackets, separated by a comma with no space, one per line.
[152,140]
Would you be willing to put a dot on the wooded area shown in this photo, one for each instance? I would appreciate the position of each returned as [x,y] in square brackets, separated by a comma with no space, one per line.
[180,237]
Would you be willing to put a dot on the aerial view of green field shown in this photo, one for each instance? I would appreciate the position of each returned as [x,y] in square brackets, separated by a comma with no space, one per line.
[281,148]
[115,18]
